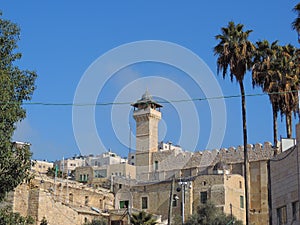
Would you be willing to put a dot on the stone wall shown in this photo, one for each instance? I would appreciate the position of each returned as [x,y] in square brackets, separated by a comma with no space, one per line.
[284,170]
[61,202]
[221,190]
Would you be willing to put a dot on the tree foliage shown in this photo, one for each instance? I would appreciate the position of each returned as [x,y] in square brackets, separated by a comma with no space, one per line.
[296,22]
[7,217]
[142,218]
[235,54]
[209,214]
[264,75]
[16,86]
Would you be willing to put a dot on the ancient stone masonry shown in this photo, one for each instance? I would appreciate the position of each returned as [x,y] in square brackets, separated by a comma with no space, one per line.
[61,202]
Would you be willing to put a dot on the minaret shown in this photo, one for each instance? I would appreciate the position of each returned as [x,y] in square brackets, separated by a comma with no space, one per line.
[147,115]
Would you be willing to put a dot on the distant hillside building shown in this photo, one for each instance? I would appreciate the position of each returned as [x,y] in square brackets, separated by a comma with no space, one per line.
[41,166]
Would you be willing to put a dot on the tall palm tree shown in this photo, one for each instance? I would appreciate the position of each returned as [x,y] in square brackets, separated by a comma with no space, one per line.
[142,218]
[235,52]
[288,68]
[296,23]
[266,76]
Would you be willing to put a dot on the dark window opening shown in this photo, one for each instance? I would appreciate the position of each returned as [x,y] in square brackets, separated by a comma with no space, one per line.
[144,203]
[203,197]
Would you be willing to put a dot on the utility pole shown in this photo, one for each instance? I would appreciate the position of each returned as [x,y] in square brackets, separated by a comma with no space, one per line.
[62,177]
[171,201]
[231,211]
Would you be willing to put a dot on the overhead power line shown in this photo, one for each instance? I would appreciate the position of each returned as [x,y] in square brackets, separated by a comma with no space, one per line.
[160,101]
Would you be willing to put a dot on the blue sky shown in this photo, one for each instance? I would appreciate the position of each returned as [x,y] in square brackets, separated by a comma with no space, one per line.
[61,39]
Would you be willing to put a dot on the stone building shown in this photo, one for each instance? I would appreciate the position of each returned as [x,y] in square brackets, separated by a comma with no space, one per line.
[41,166]
[70,164]
[60,201]
[215,175]
[147,115]
[105,159]
[223,190]
[96,176]
[285,185]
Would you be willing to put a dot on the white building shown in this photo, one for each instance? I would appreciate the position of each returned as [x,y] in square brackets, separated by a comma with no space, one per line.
[105,159]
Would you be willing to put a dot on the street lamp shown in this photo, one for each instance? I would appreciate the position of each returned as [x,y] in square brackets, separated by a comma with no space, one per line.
[183,185]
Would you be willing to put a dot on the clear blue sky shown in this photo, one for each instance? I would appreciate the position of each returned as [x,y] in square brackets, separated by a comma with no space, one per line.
[61,39]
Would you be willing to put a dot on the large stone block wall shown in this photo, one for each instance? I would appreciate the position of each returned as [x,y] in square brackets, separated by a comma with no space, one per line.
[158,194]
[234,189]
[172,160]
[259,204]
[284,170]
[59,203]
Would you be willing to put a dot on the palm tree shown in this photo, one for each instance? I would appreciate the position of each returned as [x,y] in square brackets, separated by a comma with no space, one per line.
[288,68]
[142,218]
[235,52]
[296,23]
[265,76]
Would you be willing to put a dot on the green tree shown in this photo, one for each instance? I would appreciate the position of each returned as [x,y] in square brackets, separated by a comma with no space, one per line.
[16,86]
[235,53]
[209,214]
[7,217]
[296,22]
[97,222]
[266,76]
[142,218]
[287,66]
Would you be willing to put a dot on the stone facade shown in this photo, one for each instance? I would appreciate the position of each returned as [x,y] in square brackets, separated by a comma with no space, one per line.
[147,117]
[70,164]
[41,166]
[223,190]
[285,185]
[61,202]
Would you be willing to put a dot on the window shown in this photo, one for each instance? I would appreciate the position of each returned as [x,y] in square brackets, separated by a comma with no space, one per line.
[203,197]
[241,185]
[156,165]
[241,202]
[295,208]
[120,186]
[80,177]
[86,200]
[124,204]
[100,173]
[174,201]
[71,198]
[144,202]
[281,215]
[132,156]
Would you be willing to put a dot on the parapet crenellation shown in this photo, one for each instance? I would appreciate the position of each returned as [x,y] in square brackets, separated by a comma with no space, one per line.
[172,160]
[256,152]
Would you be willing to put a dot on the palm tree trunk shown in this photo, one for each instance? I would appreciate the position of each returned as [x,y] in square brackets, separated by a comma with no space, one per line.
[246,163]
[288,121]
[275,129]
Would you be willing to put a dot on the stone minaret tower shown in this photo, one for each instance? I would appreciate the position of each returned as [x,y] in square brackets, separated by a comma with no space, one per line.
[147,115]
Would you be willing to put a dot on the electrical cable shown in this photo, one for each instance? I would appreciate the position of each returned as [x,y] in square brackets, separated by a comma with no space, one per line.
[160,101]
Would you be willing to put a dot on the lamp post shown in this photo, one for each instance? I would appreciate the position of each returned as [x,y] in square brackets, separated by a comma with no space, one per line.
[183,185]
